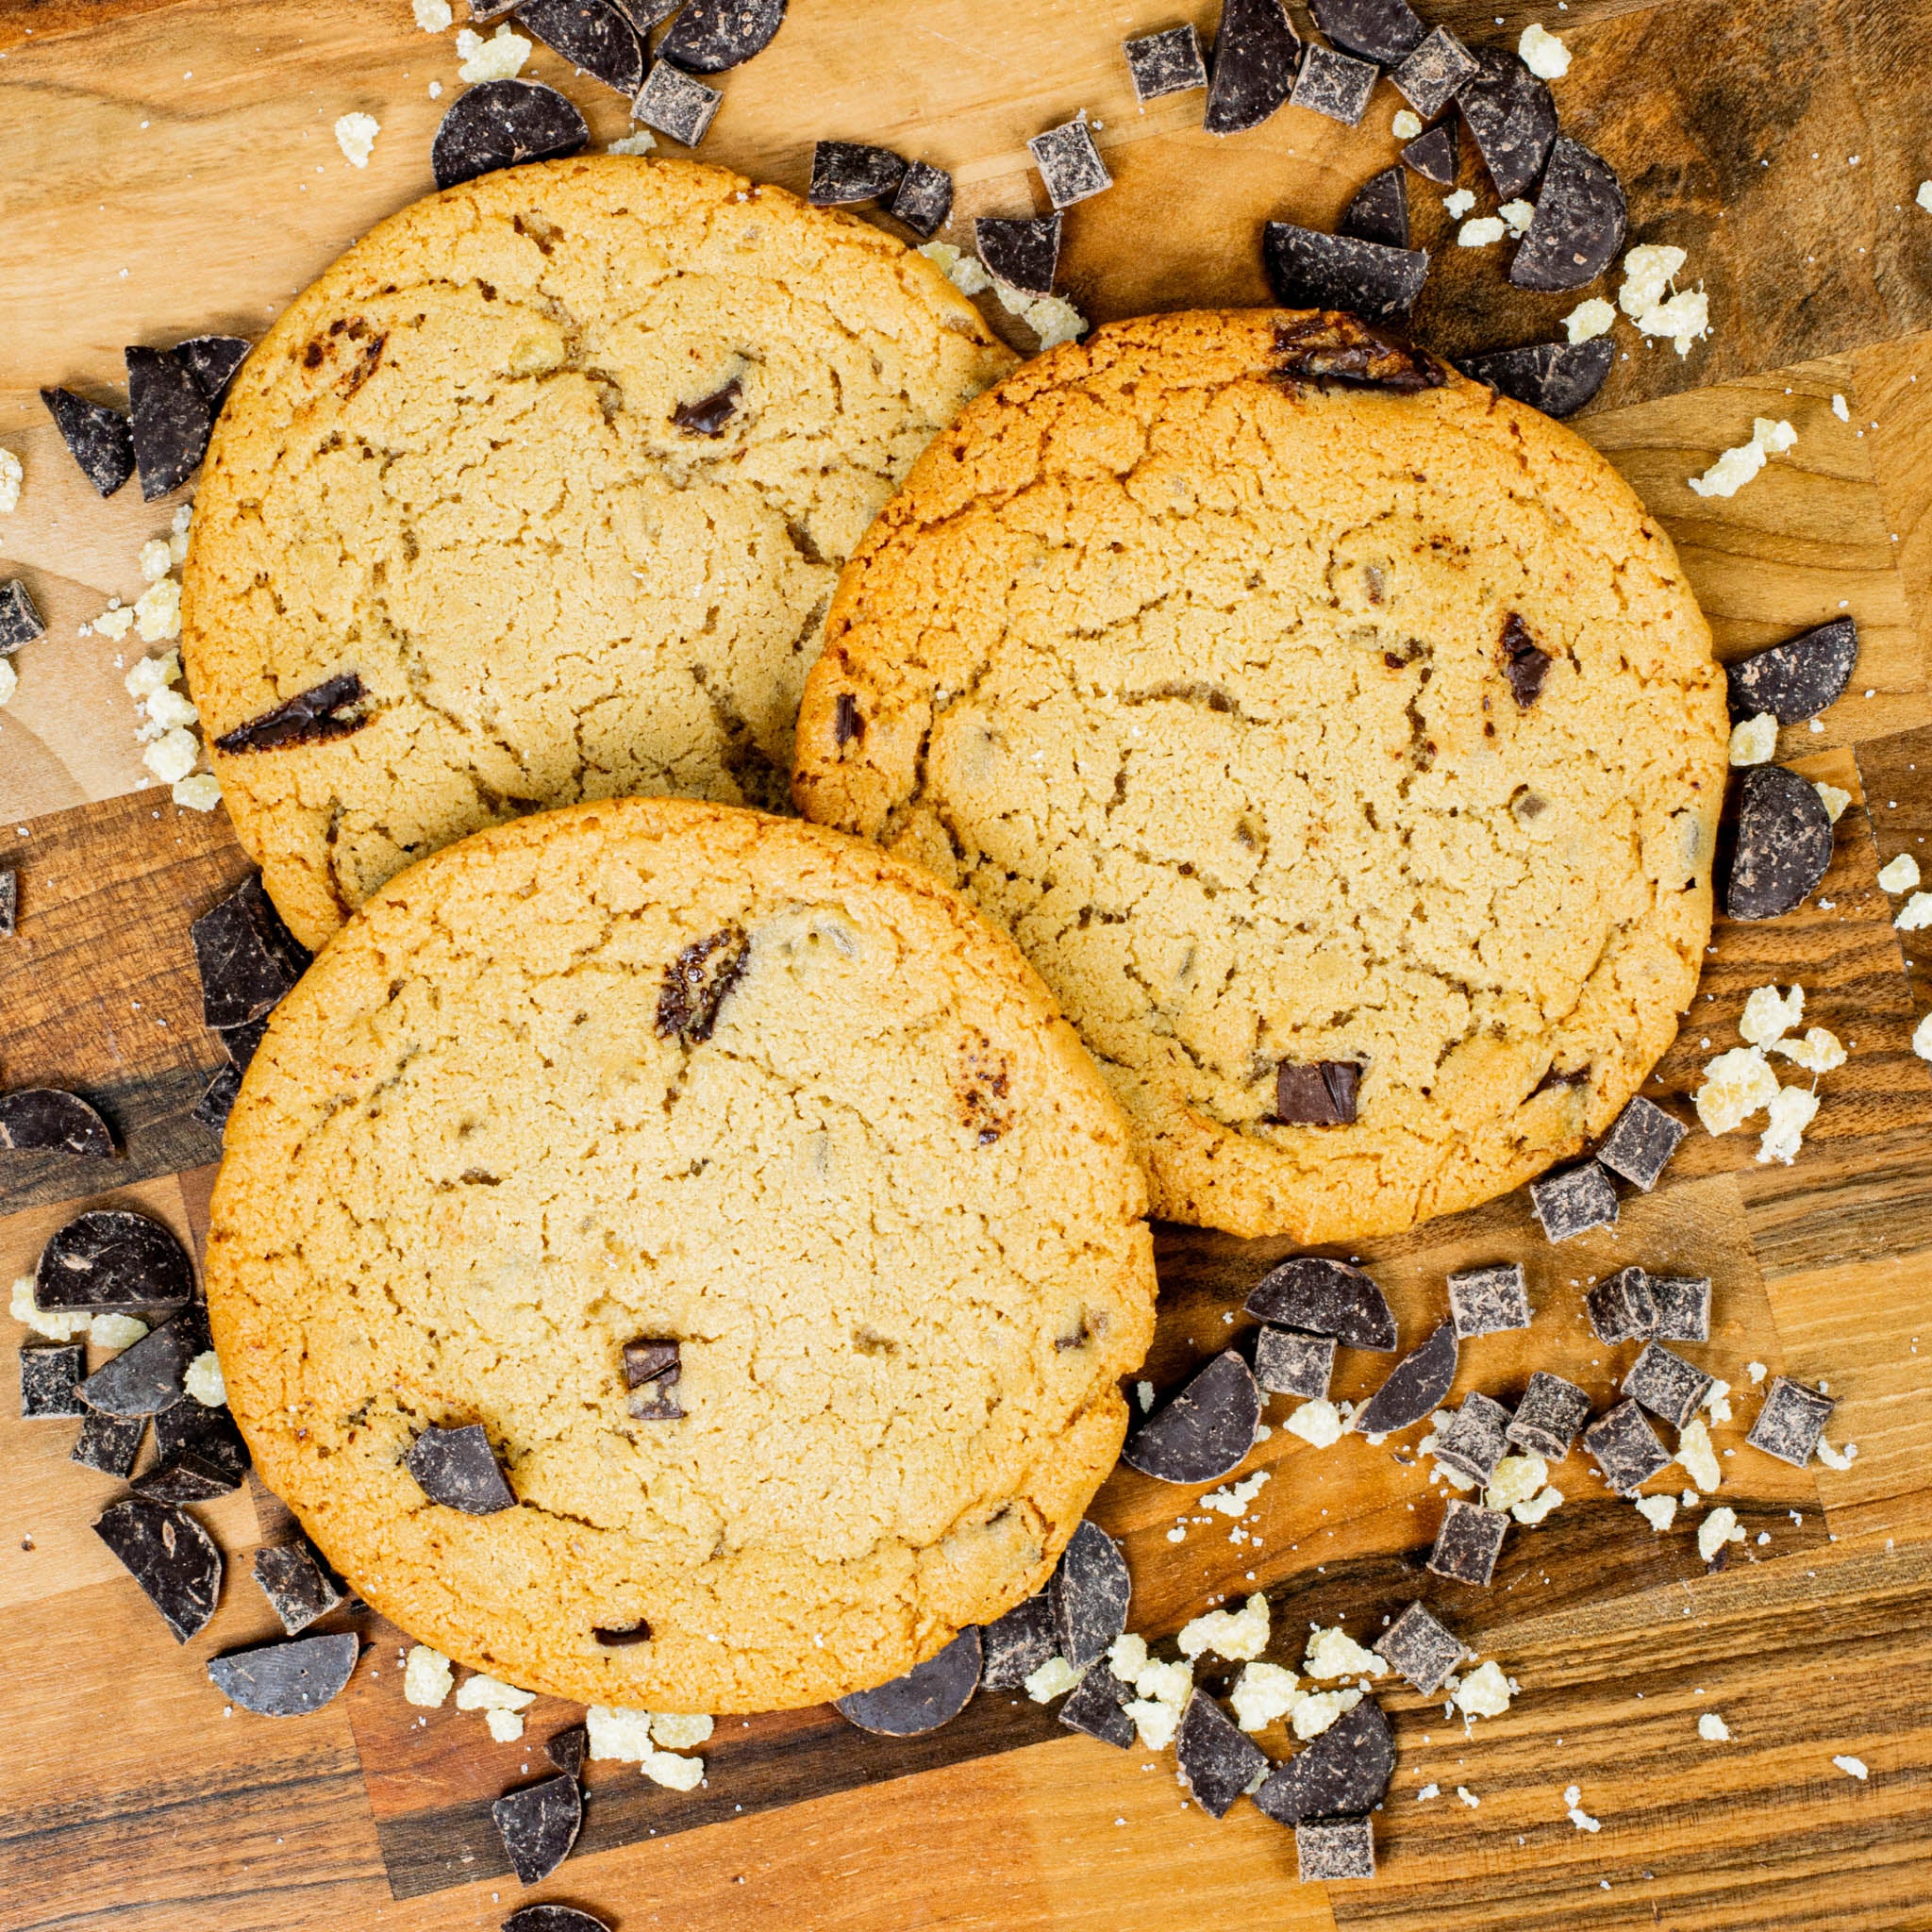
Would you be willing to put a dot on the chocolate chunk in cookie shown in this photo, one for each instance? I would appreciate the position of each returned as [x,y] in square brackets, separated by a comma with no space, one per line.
[1625,1448]
[1548,1417]
[1525,664]
[1307,269]
[169,418]
[286,1679]
[1415,1386]
[1579,220]
[1379,211]
[1433,73]
[845,173]
[1783,846]
[647,1361]
[98,437]
[1798,678]
[1089,1596]
[1169,62]
[1344,352]
[1320,1296]
[458,1469]
[170,1555]
[1556,378]
[1204,1431]
[1336,85]
[1347,1768]
[1382,30]
[928,1696]
[330,709]
[1252,68]
[45,1120]
[924,199]
[1218,1760]
[502,124]
[1024,254]
[247,958]
[110,1259]
[698,982]
[708,415]
[1468,1544]
[1315,1093]
[539,1824]
[1511,117]
[710,36]
[592,36]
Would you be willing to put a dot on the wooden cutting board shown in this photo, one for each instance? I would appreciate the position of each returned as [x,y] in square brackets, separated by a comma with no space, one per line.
[169,168]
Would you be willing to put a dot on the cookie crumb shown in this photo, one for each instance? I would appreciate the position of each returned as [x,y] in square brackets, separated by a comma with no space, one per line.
[356,136]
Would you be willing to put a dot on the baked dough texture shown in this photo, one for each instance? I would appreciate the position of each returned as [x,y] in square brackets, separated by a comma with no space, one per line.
[868,1179]
[455,467]
[1194,672]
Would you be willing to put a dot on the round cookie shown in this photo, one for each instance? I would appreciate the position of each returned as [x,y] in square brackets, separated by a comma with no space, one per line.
[656,1071]
[1340,739]
[546,484]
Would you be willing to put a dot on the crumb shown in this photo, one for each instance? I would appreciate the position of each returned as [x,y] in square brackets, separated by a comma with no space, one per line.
[1517,215]
[1054,1678]
[356,136]
[1790,1113]
[1314,1713]
[1755,741]
[1232,1499]
[1481,232]
[1485,1692]
[1468,1796]
[1853,1767]
[1407,124]
[202,1380]
[1832,799]
[1542,52]
[1734,468]
[1717,1530]
[173,756]
[1318,1423]
[199,792]
[1735,1085]
[1713,1729]
[1819,1052]
[1916,913]
[506,1727]
[157,612]
[1837,1459]
[1537,1506]
[1901,875]
[676,1732]
[1428,1791]
[11,475]
[1658,1511]
[1459,204]
[433,16]
[1590,319]
[1921,1038]
[1263,1692]
[674,1773]
[1756,1371]
[500,58]
[642,143]
[484,1692]
[1515,1480]
[1697,1456]
[1333,1653]
[1236,1635]
[427,1677]
[965,272]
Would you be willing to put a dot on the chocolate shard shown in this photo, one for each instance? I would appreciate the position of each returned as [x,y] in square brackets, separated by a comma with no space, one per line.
[213,360]
[45,1120]
[286,1679]
[1169,62]
[9,904]
[98,439]
[924,199]
[1524,664]
[458,1469]
[111,1261]
[1015,1645]
[170,1555]
[333,709]
[928,1696]
[170,419]
[1511,117]
[1088,1594]
[1683,1306]
[1291,1364]
[20,621]
[1315,1093]
[1435,155]
[1347,1768]
[1798,678]
[847,171]
[1467,1545]
[1573,1200]
[147,1377]
[1548,1417]
[298,1584]
[50,1377]
[621,1637]
[1579,221]
[1625,1448]
[647,1361]
[1346,351]
[1435,71]
[208,1433]
[709,415]
[1382,30]
[1556,378]
[1422,1649]
[1023,253]
[1473,1438]
[1790,1422]
[1307,269]
[1379,211]
[218,1101]
[1784,844]
[502,124]
[1665,1384]
[1337,85]
[1206,1431]
[592,36]
[568,1748]
[1320,1296]
[248,959]
[186,1477]
[710,36]
[539,1824]
[1070,164]
[675,104]
[1415,1386]
[1639,1145]
[1252,68]
[241,1042]
[1097,1707]
[109,1443]
[1486,1301]
[698,982]
[1330,1849]
[551,1919]
[1217,1758]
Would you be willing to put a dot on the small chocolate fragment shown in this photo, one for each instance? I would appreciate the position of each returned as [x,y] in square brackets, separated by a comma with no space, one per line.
[568,1748]
[297,1585]
[928,1695]
[1320,1296]
[286,1679]
[44,1120]
[1434,72]
[1345,351]
[592,36]
[1792,1420]
[1096,1706]
[1330,1849]
[1622,1307]
[169,1554]
[1070,164]
[1556,378]
[1548,1417]
[213,360]
[551,1919]
[109,1443]
[675,104]
[1435,155]
[698,982]
[170,419]
[50,1377]
[616,1637]
[1523,663]
[539,1824]
[146,1377]
[1784,844]
[1473,1438]
[924,199]
[1204,1431]
[1088,1594]
[1307,269]
[1641,1143]
[1511,117]
[98,437]
[218,1101]
[209,1433]
[1024,254]
[709,414]
[1625,1448]
[1251,70]
[1337,85]
[241,1042]
[1666,1384]
[1415,1386]
[1467,1545]
[457,1468]
[848,722]
[646,1361]
[1315,1093]
[1798,678]
[1573,1200]
[333,709]
[1683,1306]
[1217,1758]
[502,124]
[1379,211]
[1485,1301]
[846,172]
[21,622]
[1166,63]
[1579,220]
[1291,1364]
[248,959]
[9,904]
[1014,1646]
[111,1261]
[713,34]
[1422,1649]
[1347,1768]
[185,1478]
[1382,30]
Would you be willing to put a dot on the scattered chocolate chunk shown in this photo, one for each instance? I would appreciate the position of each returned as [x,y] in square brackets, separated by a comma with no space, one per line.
[98,437]
[1329,1850]
[1379,211]
[213,360]
[1666,1384]
[1070,164]
[1622,1307]
[551,1919]
[1307,269]
[1320,1296]
[456,1467]
[186,1478]
[111,1261]
[1415,1386]
[1015,1645]
[1548,1417]
[1467,1545]
[333,709]
[568,1748]
[1792,1420]
[1291,1364]
[924,199]
[1784,844]
[1525,664]
[1204,1431]
[1217,1758]
[1798,678]
[1097,1707]
[1641,1143]
[50,1377]
[248,959]
[170,419]
[1473,1438]
[1347,1768]
[709,414]
[286,1679]
[169,1554]
[592,36]
[218,1101]
[1511,117]
[710,36]
[675,104]
[1251,70]
[210,1433]
[928,1695]
[1166,63]
[647,1361]
[109,1443]
[1556,378]
[1024,254]
[9,904]
[1382,30]
[1573,1200]
[44,1120]
[502,124]
[19,622]
[1435,155]
[698,982]
[1337,85]
[845,173]
[539,1824]
[1683,1306]
[1579,220]
[1625,1448]
[1484,1301]
[241,1043]
[147,1377]
[1315,1093]
[1422,1649]
[1089,1596]
[1438,69]
[1345,351]
[622,1638]
[297,1585]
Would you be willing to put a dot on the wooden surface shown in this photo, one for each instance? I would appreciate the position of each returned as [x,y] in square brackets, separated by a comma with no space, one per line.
[187,143]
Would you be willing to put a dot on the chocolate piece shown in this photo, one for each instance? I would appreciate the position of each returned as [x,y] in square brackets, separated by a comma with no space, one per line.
[286,1679]
[928,1695]
[675,104]
[19,622]
[1641,1143]
[170,419]
[1467,1545]
[1511,117]
[333,709]
[713,34]
[1548,1417]
[846,172]
[568,1748]
[551,1919]
[1621,1308]
[698,982]
[9,904]
[1435,155]
[709,414]
[1252,68]
[1337,85]
[1625,1448]
[1330,1849]
[169,1554]
[1204,1431]
[646,1361]
[539,1824]
[1346,1769]
[1667,1385]
[98,437]
[1014,1646]
[1683,1306]
[1347,352]
[1415,1386]
[1422,1649]
[1315,1093]
[1166,63]
[592,36]
[185,1478]
[1573,1200]
[1792,1420]
[1579,220]
[1556,378]
[457,1468]
[241,1043]
[924,199]
[1320,1296]
[109,1443]
[1382,30]
[111,1261]
[1485,1301]
[1379,211]
[1307,269]
[298,1584]
[218,1101]
[622,1639]
[1096,1707]
[1069,163]
[1021,253]
[1784,844]
[248,959]
[1217,1758]
[1291,1364]
[1088,1595]
[44,1120]
[1523,663]
[1438,69]
[50,1375]
[213,360]
[209,1433]
[1798,678]
[146,1377]
[1473,1438]
[502,124]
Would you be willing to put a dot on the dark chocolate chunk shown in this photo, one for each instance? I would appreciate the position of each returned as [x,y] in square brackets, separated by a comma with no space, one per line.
[1070,164]
[146,1377]
[1435,155]
[50,1376]
[1556,378]
[169,1554]
[1337,85]
[457,1468]
[1315,1093]
[698,982]
[1525,664]
[1792,1420]
[1089,1596]
[846,172]
[1291,1364]
[111,1261]
[1379,211]
[333,709]
[1015,1645]
[1166,63]
[646,1361]
[186,1478]
[710,36]
[218,1101]
[1620,1307]
[708,415]
[9,904]
[502,124]
[1467,1545]
[1327,1850]
[109,1443]
[568,1748]
[592,36]
[170,419]
[1422,1649]
[539,1824]
[1096,1706]
[1252,68]
[1204,1431]
[622,1639]
[551,1919]
[1548,1417]
[1511,117]
[1345,351]
[213,360]
[1024,254]
[44,1120]
[1347,1768]
[675,104]
[1382,30]
[98,437]
[241,1043]
[1573,1200]
[1625,1448]
[1433,73]
[1579,220]
[1667,1385]
[298,1584]
[1683,1306]
[286,1679]
[1217,1758]
[209,1433]
[1641,1143]
[1472,1440]
[1320,1296]
[1798,678]
[1784,844]
[19,622]
[1485,1301]
[924,199]
[1415,1386]
[1307,269]
[928,1695]
[248,959]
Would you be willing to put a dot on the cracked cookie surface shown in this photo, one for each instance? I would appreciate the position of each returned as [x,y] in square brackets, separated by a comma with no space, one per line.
[1340,739]
[661,1072]
[562,463]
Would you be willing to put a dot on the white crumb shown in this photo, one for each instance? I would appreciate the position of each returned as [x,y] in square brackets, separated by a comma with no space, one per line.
[1516,1479]
[1232,1499]
[1696,1454]
[642,143]
[155,560]
[1921,1038]
[1658,1511]
[1791,1112]
[1537,1506]
[427,1677]
[1754,742]
[1542,52]
[1769,1014]
[1647,273]
[11,475]
[506,1727]
[1756,1371]
[1923,197]
[1900,875]
[1459,204]
[1143,1394]
[1837,1459]
[1735,1085]
[677,1731]
[965,272]
[1468,1796]
[1054,1678]
[1821,1050]
[1407,124]
[1154,1722]
[1716,1400]
[1736,467]
[1916,913]
[1485,1692]
[433,16]
[1481,232]
[202,1380]
[1263,1692]
[1054,320]
[483,1692]
[10,679]
[158,612]
[198,791]
[1717,1530]
[624,1735]
[500,58]
[1318,1710]
[1333,1653]
[1517,216]
[1839,410]
[121,1331]
[1428,1791]
[173,757]
[1590,319]
[676,1774]
[1713,1729]
[1853,1767]
[1318,1423]
[1236,1635]
[1126,1655]
[1833,799]
[356,136]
